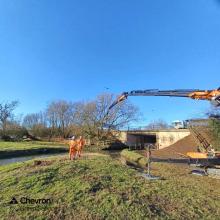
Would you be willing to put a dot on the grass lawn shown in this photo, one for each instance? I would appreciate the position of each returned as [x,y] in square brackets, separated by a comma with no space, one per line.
[10,146]
[102,188]
[20,149]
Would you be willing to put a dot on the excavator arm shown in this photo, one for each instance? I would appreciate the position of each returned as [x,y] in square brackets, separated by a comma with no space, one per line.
[210,95]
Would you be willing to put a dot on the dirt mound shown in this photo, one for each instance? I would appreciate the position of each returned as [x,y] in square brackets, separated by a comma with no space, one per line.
[181,147]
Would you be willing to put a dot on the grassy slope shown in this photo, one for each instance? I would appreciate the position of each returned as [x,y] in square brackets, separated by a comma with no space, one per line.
[101,188]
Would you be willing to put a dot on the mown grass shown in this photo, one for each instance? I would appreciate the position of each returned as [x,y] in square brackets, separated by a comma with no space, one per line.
[101,188]
[21,149]
[7,145]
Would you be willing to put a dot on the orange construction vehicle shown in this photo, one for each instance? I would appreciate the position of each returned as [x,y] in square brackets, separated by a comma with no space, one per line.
[210,95]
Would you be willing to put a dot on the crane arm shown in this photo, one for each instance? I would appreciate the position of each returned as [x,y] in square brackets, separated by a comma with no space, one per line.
[211,95]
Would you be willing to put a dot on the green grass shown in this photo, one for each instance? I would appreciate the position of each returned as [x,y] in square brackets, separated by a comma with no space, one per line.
[7,146]
[18,149]
[101,188]
[28,145]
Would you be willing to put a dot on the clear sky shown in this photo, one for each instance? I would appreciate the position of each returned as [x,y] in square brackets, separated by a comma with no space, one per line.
[73,49]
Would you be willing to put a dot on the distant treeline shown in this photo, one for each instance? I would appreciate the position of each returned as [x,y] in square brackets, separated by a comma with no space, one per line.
[63,119]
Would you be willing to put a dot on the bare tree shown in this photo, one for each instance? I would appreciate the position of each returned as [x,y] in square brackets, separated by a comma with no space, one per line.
[6,113]
[36,124]
[91,119]
[60,115]
[31,120]
[157,124]
[213,113]
[97,122]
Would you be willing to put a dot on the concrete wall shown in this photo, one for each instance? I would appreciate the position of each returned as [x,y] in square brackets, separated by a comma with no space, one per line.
[127,138]
[164,138]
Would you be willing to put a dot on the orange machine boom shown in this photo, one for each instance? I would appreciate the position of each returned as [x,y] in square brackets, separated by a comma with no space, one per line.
[211,95]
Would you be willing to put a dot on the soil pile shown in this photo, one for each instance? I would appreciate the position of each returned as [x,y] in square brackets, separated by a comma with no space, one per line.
[178,149]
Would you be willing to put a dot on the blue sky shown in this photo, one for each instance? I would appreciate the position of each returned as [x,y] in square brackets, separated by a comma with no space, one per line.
[74,49]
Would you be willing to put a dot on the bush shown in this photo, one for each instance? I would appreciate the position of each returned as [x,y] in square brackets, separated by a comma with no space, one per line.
[215,128]
[5,138]
[13,134]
